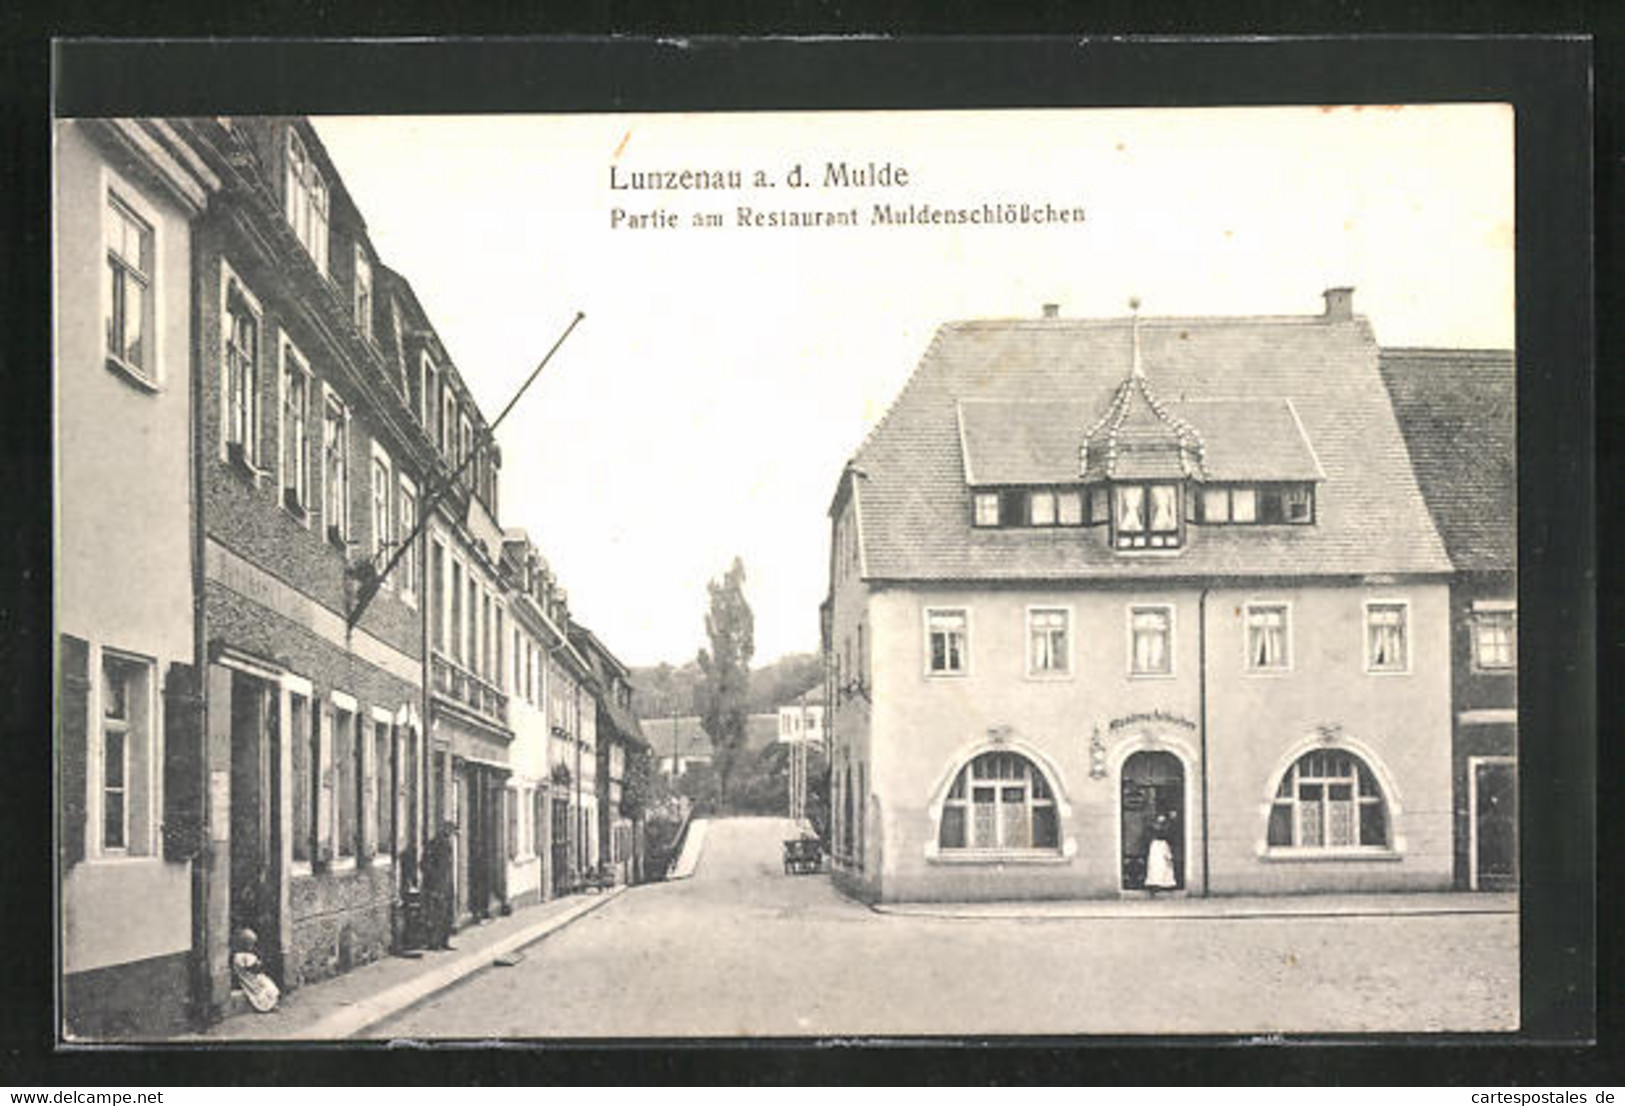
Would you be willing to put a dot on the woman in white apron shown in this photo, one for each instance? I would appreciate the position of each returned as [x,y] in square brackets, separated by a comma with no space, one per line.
[1159,859]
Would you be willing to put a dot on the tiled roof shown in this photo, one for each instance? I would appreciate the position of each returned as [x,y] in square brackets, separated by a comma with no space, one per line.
[1457,411]
[1009,442]
[914,496]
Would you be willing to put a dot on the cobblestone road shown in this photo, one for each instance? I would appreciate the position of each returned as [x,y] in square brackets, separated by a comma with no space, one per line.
[742,949]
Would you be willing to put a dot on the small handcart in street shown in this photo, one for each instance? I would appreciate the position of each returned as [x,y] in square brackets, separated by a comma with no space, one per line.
[803,856]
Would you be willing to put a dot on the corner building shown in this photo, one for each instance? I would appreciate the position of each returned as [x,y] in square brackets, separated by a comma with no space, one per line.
[1098,581]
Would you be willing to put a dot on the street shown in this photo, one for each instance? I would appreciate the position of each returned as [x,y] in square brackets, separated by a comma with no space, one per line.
[743,950]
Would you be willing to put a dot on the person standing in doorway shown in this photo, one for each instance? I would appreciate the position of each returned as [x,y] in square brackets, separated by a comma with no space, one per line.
[1159,858]
[439,891]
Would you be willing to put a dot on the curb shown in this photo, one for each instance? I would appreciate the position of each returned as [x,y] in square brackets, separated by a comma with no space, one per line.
[368,1012]
[1112,911]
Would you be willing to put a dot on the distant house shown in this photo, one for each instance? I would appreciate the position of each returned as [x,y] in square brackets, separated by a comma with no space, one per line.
[1456,411]
[802,722]
[680,742]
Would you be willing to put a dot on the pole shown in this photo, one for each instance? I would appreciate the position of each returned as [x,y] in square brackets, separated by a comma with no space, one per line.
[432,497]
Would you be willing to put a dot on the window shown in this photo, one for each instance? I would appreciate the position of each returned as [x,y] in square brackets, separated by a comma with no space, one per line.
[437,596]
[946,632]
[428,393]
[1387,648]
[1151,631]
[1041,508]
[295,431]
[472,648]
[345,751]
[1215,505]
[407,522]
[130,301]
[499,641]
[1328,799]
[1268,645]
[448,425]
[378,786]
[336,469]
[300,741]
[363,291]
[305,200]
[241,326]
[518,664]
[383,528]
[1069,508]
[1495,639]
[1266,504]
[999,802]
[1147,516]
[987,508]
[511,797]
[1048,645]
[465,442]
[126,826]
[1243,505]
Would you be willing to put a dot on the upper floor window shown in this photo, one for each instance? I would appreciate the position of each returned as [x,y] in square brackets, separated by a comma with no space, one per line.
[383,529]
[1049,648]
[242,340]
[296,386]
[1146,516]
[1495,638]
[407,522]
[465,441]
[1151,631]
[1328,799]
[305,200]
[336,469]
[130,302]
[448,427]
[1268,645]
[987,509]
[363,291]
[428,393]
[1387,636]
[999,802]
[947,637]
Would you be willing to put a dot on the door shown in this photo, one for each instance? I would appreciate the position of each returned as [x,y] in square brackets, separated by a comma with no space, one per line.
[561,844]
[465,842]
[1495,826]
[256,782]
[1152,804]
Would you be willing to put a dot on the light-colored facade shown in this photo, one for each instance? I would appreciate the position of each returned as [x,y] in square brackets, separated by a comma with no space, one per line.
[1061,631]
[127,194]
[802,723]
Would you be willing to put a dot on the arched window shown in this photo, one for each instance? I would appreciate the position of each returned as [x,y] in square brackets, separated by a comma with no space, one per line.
[1328,799]
[1000,802]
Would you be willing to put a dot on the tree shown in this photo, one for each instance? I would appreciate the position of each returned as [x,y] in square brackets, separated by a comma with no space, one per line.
[723,693]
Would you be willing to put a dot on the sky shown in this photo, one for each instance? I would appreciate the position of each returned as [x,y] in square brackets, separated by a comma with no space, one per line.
[722,376]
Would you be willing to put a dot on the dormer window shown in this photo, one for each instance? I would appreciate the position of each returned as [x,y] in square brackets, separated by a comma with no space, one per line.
[1146,516]
[1260,504]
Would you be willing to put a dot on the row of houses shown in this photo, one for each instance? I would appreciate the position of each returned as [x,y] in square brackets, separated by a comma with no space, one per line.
[1245,585]
[294,639]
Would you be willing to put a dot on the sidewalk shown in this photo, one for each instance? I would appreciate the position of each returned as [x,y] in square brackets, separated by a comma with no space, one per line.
[1384,905]
[344,1006]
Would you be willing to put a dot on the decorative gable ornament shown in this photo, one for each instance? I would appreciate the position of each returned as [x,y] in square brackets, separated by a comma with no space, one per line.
[1138,425]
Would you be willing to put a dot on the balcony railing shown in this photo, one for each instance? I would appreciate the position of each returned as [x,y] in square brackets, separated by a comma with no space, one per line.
[462,686]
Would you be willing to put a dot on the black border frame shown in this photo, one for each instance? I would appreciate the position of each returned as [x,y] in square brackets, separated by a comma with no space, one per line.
[1547,79]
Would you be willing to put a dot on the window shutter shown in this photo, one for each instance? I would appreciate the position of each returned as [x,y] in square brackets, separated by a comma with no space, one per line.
[73,745]
[183,765]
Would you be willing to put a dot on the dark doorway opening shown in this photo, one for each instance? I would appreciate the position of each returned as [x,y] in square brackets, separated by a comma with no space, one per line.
[256,832]
[1152,804]
[1495,817]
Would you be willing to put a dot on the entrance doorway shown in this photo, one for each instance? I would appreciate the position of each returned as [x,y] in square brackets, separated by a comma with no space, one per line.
[256,838]
[563,870]
[1152,804]
[1495,824]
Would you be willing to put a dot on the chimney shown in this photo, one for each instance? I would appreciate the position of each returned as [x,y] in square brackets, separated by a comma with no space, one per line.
[1339,305]
[1052,311]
